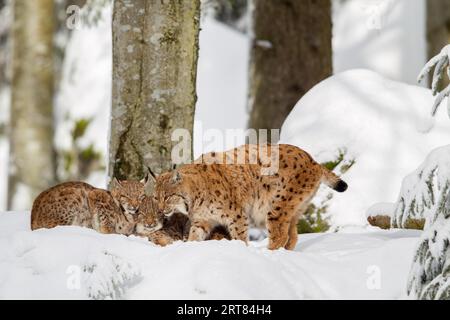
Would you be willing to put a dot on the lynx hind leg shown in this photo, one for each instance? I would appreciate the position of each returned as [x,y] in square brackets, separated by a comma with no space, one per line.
[293,230]
[278,234]
[293,234]
[279,225]
[102,209]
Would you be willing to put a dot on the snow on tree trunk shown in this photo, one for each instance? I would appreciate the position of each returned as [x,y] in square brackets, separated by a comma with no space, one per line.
[291,52]
[32,156]
[155,52]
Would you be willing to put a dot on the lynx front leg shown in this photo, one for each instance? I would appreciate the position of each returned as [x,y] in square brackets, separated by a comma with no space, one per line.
[238,228]
[160,238]
[199,230]
[101,223]
[106,228]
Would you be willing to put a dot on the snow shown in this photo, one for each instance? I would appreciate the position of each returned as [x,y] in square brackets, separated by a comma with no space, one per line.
[386,36]
[77,263]
[381,208]
[383,125]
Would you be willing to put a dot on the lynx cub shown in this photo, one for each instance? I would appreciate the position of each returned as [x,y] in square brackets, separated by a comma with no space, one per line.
[80,204]
[237,195]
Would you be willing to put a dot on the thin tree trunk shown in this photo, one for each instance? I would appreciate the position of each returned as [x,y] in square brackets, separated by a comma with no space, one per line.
[32,154]
[291,52]
[155,52]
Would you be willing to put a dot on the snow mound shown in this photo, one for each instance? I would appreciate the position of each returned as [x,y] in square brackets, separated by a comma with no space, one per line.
[77,263]
[424,193]
[382,128]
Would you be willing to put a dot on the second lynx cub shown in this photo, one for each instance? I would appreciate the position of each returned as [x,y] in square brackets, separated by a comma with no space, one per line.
[80,204]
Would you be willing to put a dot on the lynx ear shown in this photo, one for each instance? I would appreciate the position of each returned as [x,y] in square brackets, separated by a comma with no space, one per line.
[150,177]
[176,177]
[115,183]
[149,181]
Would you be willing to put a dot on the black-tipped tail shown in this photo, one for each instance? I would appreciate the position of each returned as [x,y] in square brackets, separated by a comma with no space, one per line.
[341,186]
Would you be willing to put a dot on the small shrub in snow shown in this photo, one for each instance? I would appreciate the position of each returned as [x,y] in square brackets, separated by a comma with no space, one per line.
[108,276]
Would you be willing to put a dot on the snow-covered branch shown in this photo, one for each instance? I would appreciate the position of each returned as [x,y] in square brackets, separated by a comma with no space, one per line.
[440,63]
[429,277]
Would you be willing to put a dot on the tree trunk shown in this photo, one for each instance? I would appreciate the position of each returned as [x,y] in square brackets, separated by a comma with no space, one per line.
[291,52]
[155,52]
[32,155]
[438,29]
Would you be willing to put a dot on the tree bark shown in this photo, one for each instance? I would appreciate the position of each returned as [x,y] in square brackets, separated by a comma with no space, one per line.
[32,155]
[155,52]
[291,52]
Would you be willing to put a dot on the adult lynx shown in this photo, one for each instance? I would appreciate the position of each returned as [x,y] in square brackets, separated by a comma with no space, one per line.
[214,192]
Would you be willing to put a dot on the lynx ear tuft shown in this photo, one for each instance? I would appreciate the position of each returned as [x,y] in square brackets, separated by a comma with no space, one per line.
[176,177]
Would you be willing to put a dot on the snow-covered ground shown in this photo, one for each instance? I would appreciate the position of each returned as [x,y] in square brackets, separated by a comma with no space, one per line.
[77,263]
[384,126]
